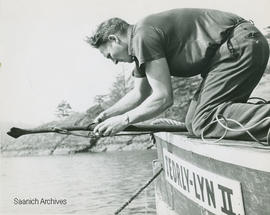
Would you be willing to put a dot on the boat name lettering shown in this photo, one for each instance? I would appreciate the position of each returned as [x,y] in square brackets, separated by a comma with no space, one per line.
[216,193]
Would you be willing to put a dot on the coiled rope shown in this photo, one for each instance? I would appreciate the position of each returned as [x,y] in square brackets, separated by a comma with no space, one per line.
[138,192]
[162,121]
[219,118]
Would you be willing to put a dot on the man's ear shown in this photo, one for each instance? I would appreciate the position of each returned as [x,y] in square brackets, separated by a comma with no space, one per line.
[113,37]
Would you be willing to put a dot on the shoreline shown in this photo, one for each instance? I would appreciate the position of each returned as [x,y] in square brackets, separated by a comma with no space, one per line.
[28,146]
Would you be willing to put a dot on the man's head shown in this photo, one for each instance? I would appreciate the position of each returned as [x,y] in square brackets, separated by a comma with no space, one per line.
[111,40]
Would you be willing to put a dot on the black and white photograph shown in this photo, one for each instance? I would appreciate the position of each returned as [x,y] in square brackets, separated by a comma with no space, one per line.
[135,107]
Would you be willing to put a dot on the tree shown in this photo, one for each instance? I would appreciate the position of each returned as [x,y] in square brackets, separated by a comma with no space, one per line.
[63,109]
[118,89]
[121,86]
[100,99]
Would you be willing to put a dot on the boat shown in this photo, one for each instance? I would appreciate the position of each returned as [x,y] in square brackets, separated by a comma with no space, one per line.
[205,178]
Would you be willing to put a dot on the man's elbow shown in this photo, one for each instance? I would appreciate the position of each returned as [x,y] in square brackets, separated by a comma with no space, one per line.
[167,101]
[140,97]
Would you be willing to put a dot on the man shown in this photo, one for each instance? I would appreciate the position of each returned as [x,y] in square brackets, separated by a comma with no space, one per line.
[229,52]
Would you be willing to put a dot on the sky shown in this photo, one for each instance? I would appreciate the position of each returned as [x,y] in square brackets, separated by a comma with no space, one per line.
[45,59]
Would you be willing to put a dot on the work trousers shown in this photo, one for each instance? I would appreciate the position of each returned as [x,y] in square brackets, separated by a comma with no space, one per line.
[233,73]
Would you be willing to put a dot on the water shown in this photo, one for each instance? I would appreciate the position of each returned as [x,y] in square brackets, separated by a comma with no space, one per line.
[89,183]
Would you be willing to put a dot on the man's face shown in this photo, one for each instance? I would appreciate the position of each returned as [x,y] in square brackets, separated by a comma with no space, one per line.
[115,50]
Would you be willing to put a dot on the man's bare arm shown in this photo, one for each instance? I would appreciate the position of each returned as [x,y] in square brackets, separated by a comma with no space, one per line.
[159,80]
[158,76]
[130,101]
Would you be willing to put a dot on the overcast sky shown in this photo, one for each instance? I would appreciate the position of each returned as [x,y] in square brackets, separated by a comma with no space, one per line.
[45,59]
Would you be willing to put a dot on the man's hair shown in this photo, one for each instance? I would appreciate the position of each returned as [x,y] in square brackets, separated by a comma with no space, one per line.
[106,28]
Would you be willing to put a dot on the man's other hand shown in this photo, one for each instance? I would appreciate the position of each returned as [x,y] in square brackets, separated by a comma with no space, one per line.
[100,118]
[112,125]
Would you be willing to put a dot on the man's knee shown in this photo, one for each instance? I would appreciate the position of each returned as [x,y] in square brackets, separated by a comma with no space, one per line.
[190,116]
[197,127]
[194,125]
[191,125]
[188,124]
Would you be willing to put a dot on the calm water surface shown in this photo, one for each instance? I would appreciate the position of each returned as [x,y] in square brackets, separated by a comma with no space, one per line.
[90,183]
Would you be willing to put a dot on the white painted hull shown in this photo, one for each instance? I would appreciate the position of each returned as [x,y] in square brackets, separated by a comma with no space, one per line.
[239,177]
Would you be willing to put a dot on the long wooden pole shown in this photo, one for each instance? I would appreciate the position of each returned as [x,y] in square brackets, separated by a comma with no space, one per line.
[17,132]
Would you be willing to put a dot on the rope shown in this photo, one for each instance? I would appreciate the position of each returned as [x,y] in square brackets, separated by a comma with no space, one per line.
[162,121]
[63,131]
[152,141]
[242,129]
[261,100]
[215,141]
[92,135]
[138,192]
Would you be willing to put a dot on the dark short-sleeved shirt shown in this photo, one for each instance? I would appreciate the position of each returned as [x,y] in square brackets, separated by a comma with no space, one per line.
[187,38]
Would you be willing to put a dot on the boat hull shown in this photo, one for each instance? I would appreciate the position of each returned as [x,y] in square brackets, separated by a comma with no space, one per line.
[201,178]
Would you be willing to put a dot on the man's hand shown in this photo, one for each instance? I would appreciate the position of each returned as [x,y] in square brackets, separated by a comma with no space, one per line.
[100,118]
[112,125]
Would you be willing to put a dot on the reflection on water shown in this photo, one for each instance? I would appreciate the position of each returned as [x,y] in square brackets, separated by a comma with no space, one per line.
[91,183]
